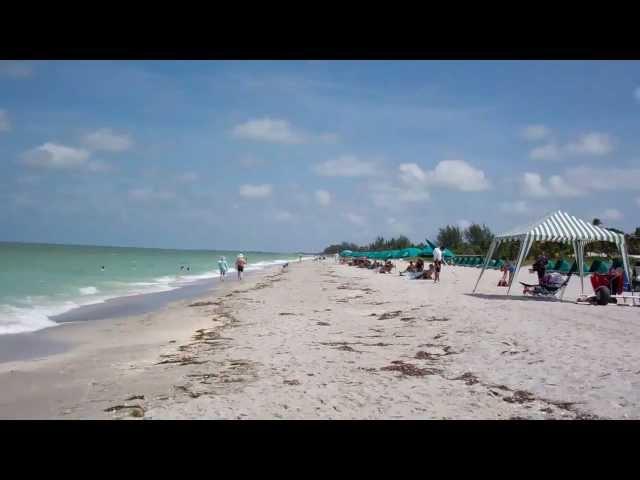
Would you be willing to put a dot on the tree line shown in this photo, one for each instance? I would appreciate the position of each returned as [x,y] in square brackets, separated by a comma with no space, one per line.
[476,239]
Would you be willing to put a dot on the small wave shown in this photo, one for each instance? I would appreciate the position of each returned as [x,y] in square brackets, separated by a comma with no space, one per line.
[88,290]
[20,320]
[166,279]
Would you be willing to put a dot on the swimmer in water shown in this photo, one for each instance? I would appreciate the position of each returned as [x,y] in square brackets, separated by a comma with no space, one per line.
[102,268]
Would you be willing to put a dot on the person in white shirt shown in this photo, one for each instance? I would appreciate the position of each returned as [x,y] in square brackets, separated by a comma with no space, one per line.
[437,260]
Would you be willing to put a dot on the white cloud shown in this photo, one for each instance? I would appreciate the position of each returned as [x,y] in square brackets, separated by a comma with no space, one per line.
[535,132]
[268,130]
[463,224]
[546,152]
[636,94]
[346,166]
[108,140]
[355,219]
[516,208]
[53,155]
[611,214]
[387,195]
[534,186]
[561,188]
[612,179]
[150,194]
[411,173]
[458,175]
[323,197]
[255,191]
[188,177]
[414,185]
[15,69]
[5,123]
[282,216]
[592,143]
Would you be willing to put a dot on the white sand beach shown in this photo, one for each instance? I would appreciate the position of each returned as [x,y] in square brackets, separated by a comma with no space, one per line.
[329,341]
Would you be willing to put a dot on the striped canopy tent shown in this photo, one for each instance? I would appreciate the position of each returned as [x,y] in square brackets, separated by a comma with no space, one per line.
[558,227]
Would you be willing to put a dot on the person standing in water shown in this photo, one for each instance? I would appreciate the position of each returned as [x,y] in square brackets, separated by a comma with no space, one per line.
[223,266]
[240,264]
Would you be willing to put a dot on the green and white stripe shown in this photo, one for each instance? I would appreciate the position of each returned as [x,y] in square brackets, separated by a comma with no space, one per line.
[558,227]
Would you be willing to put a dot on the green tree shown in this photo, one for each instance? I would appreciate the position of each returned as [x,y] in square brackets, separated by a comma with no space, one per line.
[478,237]
[450,237]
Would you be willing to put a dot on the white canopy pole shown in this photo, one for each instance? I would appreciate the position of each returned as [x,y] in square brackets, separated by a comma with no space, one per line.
[578,249]
[487,259]
[622,246]
[525,246]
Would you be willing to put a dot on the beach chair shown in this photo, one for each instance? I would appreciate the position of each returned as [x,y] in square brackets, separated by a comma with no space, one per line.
[478,262]
[499,264]
[492,264]
[564,267]
[551,291]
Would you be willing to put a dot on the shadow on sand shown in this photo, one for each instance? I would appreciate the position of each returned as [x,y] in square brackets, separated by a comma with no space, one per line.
[520,298]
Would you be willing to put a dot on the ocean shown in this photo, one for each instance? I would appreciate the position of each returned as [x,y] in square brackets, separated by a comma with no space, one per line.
[39,281]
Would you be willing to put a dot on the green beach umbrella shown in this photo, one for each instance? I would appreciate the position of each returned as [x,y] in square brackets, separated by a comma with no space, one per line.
[409,252]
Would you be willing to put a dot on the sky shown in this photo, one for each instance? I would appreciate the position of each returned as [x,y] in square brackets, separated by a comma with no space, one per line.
[296,155]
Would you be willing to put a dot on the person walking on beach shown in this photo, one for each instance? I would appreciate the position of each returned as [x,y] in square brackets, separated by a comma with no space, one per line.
[240,264]
[223,266]
[437,261]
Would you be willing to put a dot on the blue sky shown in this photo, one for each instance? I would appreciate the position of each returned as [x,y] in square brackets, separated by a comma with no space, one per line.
[285,156]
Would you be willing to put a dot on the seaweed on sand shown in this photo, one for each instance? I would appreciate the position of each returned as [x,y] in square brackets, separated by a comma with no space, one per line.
[520,396]
[388,315]
[468,378]
[134,410]
[409,369]
[203,304]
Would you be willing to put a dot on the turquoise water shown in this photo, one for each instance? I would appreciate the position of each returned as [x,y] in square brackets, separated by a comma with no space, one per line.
[38,281]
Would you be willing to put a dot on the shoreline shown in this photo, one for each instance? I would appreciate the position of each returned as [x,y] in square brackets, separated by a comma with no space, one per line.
[328,341]
[40,344]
